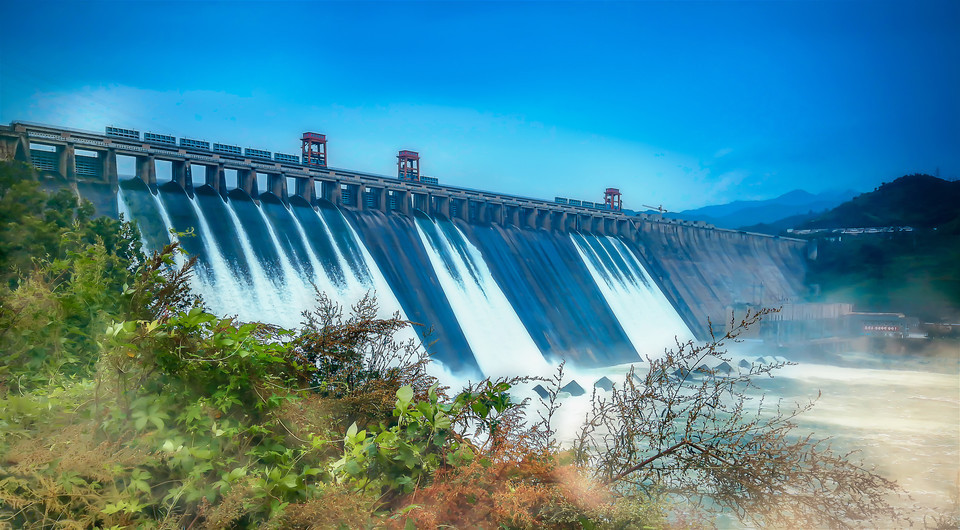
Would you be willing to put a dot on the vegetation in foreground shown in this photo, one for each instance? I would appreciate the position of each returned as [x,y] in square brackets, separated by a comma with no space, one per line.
[124,403]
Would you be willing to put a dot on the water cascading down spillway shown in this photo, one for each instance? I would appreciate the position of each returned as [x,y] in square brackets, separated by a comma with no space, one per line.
[501,301]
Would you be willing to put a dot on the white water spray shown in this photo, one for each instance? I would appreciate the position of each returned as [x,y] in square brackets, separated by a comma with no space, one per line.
[295,286]
[646,316]
[124,210]
[319,279]
[497,337]
[231,297]
[266,289]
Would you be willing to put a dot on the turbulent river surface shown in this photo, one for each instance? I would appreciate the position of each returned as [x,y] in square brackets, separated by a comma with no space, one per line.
[901,412]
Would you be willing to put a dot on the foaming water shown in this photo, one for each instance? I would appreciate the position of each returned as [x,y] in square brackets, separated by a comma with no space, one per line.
[168,224]
[124,210]
[318,279]
[905,422]
[232,297]
[647,317]
[266,289]
[500,343]
[297,291]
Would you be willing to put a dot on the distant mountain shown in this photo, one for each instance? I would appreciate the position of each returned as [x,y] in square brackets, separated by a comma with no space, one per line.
[739,214]
[780,226]
[919,201]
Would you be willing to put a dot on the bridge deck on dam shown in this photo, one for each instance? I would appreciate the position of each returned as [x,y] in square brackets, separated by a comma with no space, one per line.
[86,157]
[704,270]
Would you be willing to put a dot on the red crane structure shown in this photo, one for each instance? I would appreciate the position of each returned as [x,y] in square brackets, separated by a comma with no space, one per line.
[613,199]
[408,165]
[313,147]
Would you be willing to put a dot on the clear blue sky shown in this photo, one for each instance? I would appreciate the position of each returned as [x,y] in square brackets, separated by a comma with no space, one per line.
[680,103]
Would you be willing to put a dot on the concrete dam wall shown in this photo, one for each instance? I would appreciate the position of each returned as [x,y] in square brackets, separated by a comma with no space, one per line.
[501,285]
[706,272]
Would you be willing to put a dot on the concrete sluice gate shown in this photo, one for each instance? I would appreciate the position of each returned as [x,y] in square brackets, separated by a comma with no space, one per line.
[502,285]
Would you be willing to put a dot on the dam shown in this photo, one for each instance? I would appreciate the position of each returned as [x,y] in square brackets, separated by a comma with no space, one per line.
[499,284]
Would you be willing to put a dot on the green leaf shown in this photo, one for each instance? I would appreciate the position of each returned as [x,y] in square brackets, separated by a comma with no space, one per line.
[442,421]
[351,432]
[480,409]
[405,395]
[353,468]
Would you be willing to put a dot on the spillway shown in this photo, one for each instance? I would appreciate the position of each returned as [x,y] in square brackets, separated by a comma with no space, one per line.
[490,299]
[483,273]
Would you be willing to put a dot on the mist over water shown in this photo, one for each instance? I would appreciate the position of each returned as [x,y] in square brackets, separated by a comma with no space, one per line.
[904,420]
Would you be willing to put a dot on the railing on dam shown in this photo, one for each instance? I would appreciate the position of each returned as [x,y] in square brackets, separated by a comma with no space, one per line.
[81,156]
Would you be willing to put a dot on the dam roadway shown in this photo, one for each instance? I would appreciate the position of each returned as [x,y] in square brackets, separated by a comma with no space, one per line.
[703,270]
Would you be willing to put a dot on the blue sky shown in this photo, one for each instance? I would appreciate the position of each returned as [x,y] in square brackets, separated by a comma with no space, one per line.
[678,103]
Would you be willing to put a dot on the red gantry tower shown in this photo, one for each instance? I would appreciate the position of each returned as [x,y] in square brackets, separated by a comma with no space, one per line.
[612,199]
[314,149]
[408,165]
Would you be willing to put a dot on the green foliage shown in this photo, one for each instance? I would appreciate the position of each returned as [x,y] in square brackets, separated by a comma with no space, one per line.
[124,403]
[35,225]
[912,272]
[62,278]
[194,399]
[401,457]
[359,364]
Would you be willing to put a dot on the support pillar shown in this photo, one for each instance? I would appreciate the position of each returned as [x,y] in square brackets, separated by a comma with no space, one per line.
[439,205]
[247,181]
[215,177]
[109,165]
[181,172]
[545,219]
[336,196]
[23,149]
[68,162]
[277,184]
[305,189]
[358,200]
[147,170]
[15,148]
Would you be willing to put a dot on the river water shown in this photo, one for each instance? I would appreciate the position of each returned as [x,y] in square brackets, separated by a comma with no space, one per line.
[900,413]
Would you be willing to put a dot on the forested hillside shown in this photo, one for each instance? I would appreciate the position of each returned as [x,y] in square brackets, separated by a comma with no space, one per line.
[918,201]
[911,269]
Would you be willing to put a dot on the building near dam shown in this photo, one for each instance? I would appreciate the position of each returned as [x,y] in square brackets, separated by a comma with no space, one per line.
[500,283]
